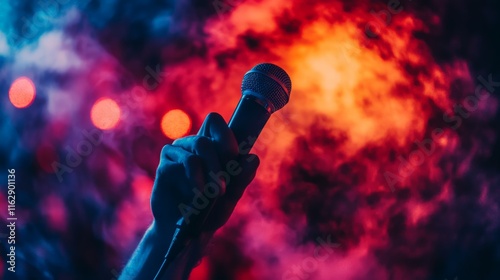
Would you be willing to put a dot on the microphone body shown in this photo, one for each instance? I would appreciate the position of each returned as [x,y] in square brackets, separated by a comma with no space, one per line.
[265,89]
[248,120]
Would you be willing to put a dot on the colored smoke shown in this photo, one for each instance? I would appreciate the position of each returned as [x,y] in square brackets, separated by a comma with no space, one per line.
[371,155]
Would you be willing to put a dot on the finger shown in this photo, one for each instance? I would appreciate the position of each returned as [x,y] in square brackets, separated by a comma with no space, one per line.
[193,165]
[226,204]
[163,183]
[205,148]
[215,127]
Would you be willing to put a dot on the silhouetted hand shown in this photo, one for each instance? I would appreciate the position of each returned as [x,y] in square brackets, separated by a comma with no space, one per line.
[192,171]
[196,169]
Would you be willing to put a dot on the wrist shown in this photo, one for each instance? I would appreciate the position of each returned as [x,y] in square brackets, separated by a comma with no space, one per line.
[160,237]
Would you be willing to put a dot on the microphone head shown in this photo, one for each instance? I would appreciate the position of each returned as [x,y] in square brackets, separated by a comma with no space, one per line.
[268,83]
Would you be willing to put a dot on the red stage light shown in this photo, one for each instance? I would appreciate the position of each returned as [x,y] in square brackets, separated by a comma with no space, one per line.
[175,124]
[22,92]
[105,113]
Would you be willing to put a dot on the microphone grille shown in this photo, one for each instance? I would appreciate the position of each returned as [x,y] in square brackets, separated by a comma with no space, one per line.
[270,82]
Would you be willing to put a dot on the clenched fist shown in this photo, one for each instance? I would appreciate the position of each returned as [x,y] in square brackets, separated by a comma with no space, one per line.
[195,173]
[197,169]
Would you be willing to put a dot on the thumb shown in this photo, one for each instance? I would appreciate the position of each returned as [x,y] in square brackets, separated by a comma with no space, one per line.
[216,128]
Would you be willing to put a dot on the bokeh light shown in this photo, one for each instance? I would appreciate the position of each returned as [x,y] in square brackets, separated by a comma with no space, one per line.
[22,92]
[337,164]
[175,124]
[105,113]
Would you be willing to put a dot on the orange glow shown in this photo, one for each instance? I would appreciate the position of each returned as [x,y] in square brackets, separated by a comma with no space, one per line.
[22,92]
[105,113]
[355,105]
[175,124]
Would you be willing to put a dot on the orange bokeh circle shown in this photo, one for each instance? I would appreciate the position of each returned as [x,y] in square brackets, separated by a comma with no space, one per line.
[175,124]
[22,92]
[105,113]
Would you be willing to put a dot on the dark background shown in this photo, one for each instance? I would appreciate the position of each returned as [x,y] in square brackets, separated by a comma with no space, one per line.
[440,222]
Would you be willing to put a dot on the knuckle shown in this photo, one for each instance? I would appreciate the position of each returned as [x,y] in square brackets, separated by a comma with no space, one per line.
[165,149]
[166,169]
[193,160]
[178,141]
[202,144]
[211,115]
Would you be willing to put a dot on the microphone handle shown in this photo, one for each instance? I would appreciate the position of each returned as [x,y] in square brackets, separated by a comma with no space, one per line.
[248,120]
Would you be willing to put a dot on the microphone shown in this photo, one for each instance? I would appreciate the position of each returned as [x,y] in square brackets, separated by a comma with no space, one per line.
[265,89]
